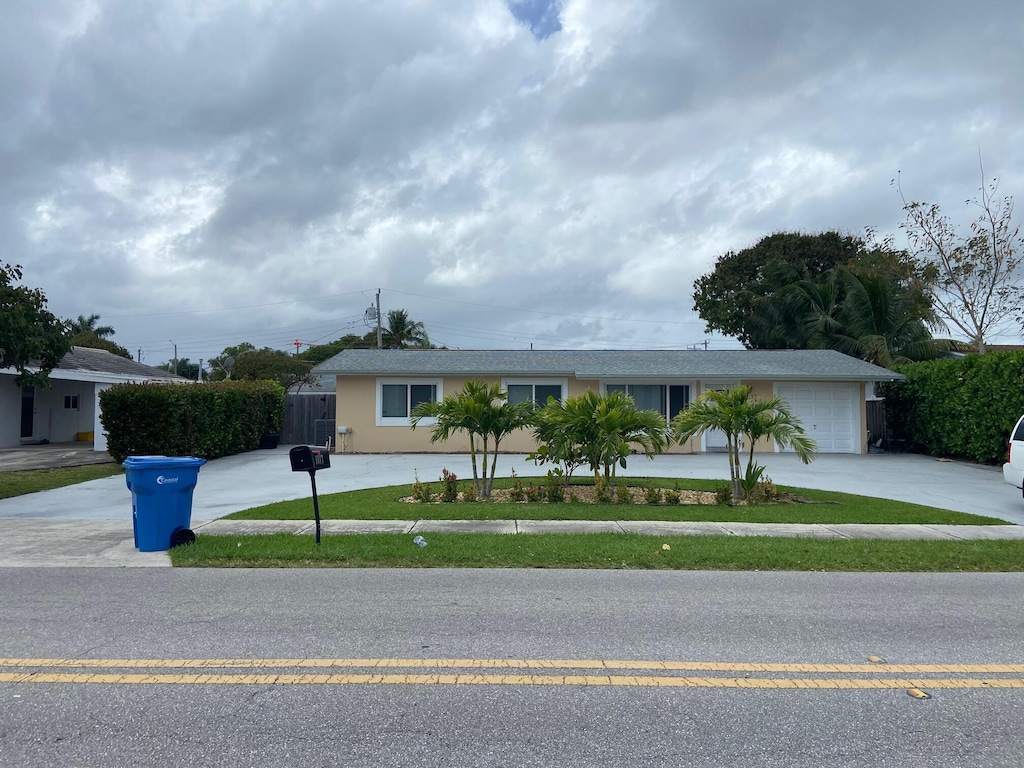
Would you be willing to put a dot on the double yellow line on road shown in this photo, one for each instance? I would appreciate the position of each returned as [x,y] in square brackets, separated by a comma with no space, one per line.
[543,672]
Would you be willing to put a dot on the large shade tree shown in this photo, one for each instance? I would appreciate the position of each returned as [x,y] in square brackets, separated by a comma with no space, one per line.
[827,291]
[244,362]
[483,413]
[32,339]
[738,415]
[747,281]
[273,365]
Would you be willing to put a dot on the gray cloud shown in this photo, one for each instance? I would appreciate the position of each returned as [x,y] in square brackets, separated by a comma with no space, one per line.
[254,171]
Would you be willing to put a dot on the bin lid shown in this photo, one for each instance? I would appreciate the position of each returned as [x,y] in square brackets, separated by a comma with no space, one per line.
[162,462]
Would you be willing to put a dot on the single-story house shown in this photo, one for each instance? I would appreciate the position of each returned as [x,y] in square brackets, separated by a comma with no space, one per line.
[376,389]
[69,409]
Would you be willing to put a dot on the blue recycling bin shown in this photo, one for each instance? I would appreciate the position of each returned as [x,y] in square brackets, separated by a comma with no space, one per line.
[161,489]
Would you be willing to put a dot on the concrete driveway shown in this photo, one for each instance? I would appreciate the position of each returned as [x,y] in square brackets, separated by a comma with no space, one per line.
[260,477]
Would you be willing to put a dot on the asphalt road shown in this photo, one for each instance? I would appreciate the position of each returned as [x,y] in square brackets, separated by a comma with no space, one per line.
[512,713]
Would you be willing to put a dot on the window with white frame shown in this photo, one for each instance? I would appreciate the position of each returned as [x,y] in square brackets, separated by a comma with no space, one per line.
[397,397]
[536,390]
[667,399]
[70,402]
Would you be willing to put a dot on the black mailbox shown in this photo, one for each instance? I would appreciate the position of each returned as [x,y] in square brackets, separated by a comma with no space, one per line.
[306,458]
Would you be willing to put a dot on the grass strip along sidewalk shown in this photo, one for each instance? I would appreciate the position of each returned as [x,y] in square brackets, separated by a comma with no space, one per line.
[600,550]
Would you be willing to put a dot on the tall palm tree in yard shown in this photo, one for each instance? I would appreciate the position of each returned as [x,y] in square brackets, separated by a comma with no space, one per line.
[88,325]
[883,325]
[735,413]
[401,332]
[483,412]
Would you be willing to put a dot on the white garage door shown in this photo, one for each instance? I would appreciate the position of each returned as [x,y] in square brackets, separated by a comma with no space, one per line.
[829,412]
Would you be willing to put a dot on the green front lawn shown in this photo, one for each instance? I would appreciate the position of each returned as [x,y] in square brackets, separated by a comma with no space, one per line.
[33,480]
[827,507]
[600,550]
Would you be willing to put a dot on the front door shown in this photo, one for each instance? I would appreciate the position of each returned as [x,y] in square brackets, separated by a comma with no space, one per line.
[28,411]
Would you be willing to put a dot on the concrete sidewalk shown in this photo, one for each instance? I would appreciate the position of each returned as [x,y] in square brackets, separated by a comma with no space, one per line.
[647,528]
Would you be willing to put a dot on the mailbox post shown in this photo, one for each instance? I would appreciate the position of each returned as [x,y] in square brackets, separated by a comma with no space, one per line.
[307,458]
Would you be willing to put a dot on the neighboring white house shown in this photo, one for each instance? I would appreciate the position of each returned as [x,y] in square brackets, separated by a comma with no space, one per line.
[69,409]
[377,389]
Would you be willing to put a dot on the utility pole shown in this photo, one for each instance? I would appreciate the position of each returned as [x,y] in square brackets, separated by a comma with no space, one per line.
[380,344]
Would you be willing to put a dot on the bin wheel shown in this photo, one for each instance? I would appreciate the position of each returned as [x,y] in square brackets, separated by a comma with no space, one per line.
[182,536]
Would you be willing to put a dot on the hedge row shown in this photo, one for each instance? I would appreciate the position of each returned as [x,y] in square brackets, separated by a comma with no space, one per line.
[961,408]
[204,420]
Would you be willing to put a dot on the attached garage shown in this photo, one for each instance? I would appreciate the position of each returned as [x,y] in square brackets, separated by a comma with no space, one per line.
[829,412]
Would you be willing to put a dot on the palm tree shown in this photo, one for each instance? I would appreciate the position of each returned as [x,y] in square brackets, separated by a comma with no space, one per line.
[599,430]
[401,332]
[736,414]
[88,325]
[483,412]
[883,324]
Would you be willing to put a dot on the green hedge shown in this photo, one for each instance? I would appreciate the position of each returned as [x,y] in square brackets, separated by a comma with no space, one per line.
[961,408]
[205,420]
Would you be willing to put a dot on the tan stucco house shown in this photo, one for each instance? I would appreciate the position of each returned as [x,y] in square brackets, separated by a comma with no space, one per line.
[69,409]
[377,388]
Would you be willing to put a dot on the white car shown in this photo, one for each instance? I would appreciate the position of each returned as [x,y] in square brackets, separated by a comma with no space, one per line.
[1013,469]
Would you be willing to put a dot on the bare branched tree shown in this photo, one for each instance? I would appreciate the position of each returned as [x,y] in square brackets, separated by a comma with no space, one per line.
[975,279]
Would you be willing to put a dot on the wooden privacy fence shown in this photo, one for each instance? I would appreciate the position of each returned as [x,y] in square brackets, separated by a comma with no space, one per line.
[309,419]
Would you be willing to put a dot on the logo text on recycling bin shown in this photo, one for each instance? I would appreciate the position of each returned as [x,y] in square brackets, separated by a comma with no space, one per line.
[162,480]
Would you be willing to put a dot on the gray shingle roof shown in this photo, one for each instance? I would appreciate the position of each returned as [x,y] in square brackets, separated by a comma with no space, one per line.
[88,360]
[804,364]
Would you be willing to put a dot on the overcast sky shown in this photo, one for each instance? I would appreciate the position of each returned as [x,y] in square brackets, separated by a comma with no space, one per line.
[208,172]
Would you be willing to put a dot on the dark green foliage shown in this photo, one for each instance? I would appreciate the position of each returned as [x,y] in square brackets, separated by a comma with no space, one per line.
[271,364]
[726,297]
[826,291]
[32,339]
[204,420]
[962,408]
[318,353]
